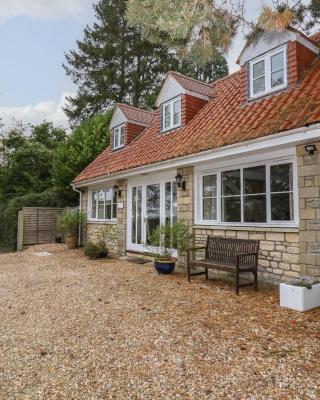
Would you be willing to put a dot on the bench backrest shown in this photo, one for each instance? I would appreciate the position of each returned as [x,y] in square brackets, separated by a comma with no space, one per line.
[226,249]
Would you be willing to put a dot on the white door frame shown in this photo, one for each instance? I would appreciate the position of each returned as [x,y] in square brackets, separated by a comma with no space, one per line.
[144,181]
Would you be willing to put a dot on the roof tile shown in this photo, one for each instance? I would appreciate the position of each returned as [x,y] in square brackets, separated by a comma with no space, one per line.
[221,122]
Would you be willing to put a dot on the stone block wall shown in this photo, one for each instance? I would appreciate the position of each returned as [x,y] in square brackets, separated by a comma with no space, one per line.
[116,237]
[309,208]
[185,204]
[279,250]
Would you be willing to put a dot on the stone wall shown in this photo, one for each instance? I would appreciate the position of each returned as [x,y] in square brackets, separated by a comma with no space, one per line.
[116,232]
[185,204]
[309,204]
[279,250]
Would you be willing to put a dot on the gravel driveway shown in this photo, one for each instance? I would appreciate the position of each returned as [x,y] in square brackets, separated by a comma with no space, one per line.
[71,328]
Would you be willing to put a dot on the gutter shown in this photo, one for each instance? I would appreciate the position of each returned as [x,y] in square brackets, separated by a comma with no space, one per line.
[282,139]
[80,208]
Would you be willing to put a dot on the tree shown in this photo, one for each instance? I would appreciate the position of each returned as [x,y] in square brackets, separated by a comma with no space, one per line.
[195,28]
[85,143]
[26,154]
[113,63]
[209,72]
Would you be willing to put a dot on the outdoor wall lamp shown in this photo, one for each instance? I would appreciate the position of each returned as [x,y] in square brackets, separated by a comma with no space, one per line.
[181,183]
[310,148]
[116,191]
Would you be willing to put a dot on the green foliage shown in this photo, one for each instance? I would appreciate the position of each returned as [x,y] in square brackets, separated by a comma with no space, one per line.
[75,153]
[113,63]
[194,28]
[166,238]
[70,221]
[96,250]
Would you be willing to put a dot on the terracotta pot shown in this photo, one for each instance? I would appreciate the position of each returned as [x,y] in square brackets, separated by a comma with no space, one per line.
[71,242]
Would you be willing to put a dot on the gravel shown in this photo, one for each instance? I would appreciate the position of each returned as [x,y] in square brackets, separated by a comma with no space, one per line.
[72,328]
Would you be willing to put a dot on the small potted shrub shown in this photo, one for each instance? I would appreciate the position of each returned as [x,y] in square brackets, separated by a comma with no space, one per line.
[69,223]
[96,250]
[164,241]
[300,295]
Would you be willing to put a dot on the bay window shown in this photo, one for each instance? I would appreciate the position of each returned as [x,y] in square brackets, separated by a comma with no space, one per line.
[103,205]
[259,194]
[268,73]
[171,114]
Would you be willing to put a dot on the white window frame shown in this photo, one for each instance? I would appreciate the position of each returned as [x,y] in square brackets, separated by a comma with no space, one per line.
[116,137]
[90,218]
[170,103]
[269,223]
[267,72]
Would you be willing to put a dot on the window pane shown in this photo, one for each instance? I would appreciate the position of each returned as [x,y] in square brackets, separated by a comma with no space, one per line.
[168,202]
[167,116]
[174,202]
[94,205]
[210,209]
[139,214]
[108,208]
[209,186]
[101,205]
[277,78]
[254,180]
[282,207]
[177,112]
[258,85]
[231,209]
[122,136]
[258,69]
[277,61]
[281,177]
[134,215]
[231,182]
[255,208]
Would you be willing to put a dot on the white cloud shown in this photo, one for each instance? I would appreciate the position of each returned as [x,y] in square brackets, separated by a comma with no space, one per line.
[44,9]
[45,110]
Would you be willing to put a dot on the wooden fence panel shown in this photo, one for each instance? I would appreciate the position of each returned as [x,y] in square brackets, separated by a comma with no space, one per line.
[40,224]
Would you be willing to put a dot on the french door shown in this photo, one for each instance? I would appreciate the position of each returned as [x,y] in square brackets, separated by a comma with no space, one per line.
[150,204]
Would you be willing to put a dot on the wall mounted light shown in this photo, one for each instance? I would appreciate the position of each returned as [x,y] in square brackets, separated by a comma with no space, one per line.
[116,191]
[310,148]
[181,183]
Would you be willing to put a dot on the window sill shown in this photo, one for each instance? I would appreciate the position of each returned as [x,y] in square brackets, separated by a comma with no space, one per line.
[267,93]
[102,221]
[258,228]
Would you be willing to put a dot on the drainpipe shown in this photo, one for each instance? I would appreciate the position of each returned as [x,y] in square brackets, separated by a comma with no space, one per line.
[80,209]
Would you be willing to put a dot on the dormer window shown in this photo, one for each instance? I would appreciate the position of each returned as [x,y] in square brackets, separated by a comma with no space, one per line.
[268,73]
[171,114]
[118,137]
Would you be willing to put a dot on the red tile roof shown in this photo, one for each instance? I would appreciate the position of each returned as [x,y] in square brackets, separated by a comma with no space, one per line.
[192,84]
[316,38]
[136,114]
[222,121]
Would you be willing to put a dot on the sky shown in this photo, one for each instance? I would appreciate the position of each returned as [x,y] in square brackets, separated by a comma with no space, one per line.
[34,35]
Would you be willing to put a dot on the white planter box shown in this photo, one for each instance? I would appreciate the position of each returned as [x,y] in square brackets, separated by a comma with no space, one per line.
[299,298]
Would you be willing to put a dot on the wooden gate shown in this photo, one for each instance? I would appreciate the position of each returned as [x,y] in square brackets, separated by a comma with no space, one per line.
[37,225]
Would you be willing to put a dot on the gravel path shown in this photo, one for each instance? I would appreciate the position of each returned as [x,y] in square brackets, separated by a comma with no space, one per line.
[71,328]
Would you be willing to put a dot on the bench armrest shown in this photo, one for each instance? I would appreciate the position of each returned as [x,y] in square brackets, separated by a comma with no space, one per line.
[196,248]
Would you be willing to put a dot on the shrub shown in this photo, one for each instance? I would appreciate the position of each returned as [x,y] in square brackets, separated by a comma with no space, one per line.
[69,222]
[96,250]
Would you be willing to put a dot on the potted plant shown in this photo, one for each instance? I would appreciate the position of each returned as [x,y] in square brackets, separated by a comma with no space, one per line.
[69,223]
[300,295]
[163,243]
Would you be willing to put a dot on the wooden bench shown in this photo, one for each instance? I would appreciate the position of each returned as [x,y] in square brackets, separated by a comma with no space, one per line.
[230,255]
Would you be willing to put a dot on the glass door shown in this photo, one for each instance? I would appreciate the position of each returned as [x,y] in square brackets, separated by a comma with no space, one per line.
[150,205]
[152,218]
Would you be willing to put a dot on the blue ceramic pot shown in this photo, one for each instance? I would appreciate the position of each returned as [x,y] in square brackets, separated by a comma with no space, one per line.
[164,267]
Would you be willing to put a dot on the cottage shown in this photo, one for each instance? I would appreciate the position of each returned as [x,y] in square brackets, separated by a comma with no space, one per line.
[236,158]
